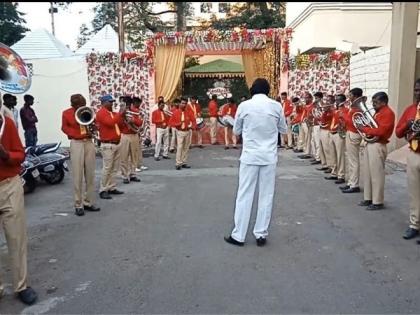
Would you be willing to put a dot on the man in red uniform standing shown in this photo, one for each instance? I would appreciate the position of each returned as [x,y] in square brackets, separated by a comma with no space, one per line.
[288,110]
[183,120]
[196,109]
[213,113]
[12,208]
[376,152]
[230,110]
[404,129]
[82,156]
[161,119]
[110,136]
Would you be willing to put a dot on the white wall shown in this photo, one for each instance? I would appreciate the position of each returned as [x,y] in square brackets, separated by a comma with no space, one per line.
[53,82]
[294,9]
[369,71]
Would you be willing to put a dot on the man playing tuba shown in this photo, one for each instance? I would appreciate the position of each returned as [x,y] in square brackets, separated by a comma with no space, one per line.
[376,152]
[82,156]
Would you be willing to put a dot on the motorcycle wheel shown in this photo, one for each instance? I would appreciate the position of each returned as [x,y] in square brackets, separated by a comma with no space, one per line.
[55,177]
[30,185]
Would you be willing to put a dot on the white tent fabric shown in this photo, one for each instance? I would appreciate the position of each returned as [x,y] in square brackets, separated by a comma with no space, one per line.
[106,40]
[40,44]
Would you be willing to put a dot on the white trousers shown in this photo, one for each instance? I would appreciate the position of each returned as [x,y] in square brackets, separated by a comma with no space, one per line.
[316,142]
[162,134]
[249,177]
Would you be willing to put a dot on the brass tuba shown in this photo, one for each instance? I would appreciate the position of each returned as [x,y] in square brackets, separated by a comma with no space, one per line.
[85,116]
[364,118]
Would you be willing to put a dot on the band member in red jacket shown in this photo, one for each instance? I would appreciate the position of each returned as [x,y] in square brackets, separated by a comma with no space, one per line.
[161,119]
[196,109]
[110,136]
[82,156]
[213,113]
[12,208]
[325,139]
[297,117]
[288,110]
[183,120]
[230,110]
[375,153]
[130,142]
[404,128]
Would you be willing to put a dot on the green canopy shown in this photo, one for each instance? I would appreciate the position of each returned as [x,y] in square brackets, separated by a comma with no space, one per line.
[219,68]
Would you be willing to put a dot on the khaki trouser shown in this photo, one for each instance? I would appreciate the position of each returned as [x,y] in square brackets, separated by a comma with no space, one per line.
[173,139]
[213,130]
[289,136]
[129,150]
[111,164]
[413,177]
[307,136]
[374,172]
[13,221]
[189,139]
[183,147]
[162,134]
[83,164]
[325,148]
[229,132]
[199,136]
[353,141]
[316,143]
[301,138]
[338,146]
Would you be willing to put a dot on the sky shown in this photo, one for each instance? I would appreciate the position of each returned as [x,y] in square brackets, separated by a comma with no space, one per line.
[67,22]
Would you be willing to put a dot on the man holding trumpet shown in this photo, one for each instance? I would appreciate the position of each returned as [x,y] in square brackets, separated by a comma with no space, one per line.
[82,156]
[130,141]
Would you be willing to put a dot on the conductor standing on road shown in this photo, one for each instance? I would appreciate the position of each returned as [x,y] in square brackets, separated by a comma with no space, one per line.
[258,121]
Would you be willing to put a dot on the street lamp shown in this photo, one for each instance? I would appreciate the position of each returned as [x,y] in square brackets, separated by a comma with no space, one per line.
[52,10]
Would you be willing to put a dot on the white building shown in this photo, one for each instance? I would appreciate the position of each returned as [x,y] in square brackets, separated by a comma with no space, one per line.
[348,26]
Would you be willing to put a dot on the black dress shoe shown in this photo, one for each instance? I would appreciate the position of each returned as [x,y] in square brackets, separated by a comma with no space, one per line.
[172,151]
[226,148]
[115,192]
[351,190]
[79,211]
[201,146]
[328,171]
[410,233]
[261,241]
[185,166]
[316,162]
[305,157]
[365,203]
[232,241]
[340,181]
[418,242]
[135,179]
[322,168]
[331,177]
[235,147]
[28,296]
[178,167]
[344,187]
[297,151]
[157,158]
[126,181]
[92,208]
[166,157]
[104,195]
[373,207]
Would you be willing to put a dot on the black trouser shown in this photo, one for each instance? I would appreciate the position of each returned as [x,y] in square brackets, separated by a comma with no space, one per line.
[279,139]
[31,137]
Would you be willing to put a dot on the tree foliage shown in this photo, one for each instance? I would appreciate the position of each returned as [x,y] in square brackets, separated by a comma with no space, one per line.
[84,35]
[12,27]
[251,15]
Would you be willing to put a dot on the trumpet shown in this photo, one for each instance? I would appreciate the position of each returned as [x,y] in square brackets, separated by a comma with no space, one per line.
[364,118]
[128,119]
[167,111]
[85,116]
[414,132]
[2,124]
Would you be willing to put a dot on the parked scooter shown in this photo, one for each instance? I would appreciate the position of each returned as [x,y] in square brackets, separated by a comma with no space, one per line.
[29,174]
[51,164]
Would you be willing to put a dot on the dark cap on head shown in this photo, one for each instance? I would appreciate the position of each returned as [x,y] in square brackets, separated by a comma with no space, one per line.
[77,99]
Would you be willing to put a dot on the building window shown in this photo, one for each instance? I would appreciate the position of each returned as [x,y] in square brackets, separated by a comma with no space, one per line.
[224,7]
[206,7]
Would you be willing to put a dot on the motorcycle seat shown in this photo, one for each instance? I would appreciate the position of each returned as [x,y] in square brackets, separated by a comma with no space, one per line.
[43,148]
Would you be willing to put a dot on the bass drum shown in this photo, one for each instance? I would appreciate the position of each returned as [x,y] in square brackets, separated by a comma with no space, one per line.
[200,122]
[226,121]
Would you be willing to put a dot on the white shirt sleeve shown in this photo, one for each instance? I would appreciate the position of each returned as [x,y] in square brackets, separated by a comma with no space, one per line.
[282,126]
[237,126]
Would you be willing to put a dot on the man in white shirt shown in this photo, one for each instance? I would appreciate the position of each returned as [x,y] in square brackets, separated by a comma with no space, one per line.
[258,121]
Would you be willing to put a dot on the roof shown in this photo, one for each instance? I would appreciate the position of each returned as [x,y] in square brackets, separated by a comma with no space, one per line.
[41,44]
[106,40]
[216,68]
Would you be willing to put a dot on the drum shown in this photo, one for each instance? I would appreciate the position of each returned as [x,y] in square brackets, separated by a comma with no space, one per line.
[200,122]
[226,121]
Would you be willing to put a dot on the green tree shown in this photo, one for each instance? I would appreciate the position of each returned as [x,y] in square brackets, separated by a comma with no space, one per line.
[12,27]
[251,15]
[192,61]
[84,35]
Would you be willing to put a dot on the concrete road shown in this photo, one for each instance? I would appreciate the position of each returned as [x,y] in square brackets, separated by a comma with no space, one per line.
[159,248]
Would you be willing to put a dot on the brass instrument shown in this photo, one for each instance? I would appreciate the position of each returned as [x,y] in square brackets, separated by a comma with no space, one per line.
[414,132]
[2,124]
[167,111]
[85,116]
[364,118]
[128,119]
[341,128]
